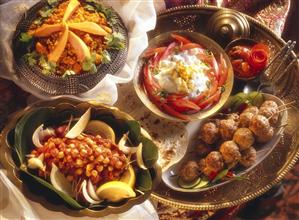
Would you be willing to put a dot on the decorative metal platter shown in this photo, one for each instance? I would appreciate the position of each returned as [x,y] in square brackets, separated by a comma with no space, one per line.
[284,155]
[52,84]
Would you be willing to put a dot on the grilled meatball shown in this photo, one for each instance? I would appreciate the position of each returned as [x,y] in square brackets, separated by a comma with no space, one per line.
[248,157]
[227,129]
[214,161]
[235,117]
[245,119]
[270,113]
[259,124]
[230,152]
[244,138]
[270,103]
[202,149]
[265,136]
[189,171]
[209,132]
[253,109]
[203,167]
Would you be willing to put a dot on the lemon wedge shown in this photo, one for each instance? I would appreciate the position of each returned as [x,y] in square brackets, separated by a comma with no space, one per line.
[129,177]
[115,191]
[96,127]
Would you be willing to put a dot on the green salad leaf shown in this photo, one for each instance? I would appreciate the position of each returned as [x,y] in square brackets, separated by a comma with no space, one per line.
[115,41]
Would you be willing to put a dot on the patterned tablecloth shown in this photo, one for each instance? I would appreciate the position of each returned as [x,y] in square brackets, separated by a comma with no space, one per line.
[273,13]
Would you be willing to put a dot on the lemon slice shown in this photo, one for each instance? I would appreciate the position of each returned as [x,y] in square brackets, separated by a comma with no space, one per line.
[115,191]
[77,129]
[96,127]
[129,177]
[59,181]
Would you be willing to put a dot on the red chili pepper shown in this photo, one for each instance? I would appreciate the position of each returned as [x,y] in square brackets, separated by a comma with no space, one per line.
[180,39]
[152,51]
[189,46]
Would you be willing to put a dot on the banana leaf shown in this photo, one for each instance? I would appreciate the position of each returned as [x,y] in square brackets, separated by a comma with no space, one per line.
[144,180]
[68,199]
[25,128]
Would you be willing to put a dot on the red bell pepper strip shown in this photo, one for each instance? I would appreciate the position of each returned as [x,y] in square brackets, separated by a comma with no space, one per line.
[212,99]
[189,46]
[173,97]
[152,51]
[168,50]
[223,71]
[200,97]
[150,85]
[173,112]
[216,67]
[184,105]
[180,39]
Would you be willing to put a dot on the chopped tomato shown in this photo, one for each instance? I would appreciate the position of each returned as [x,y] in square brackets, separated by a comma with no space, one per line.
[180,39]
[152,51]
[189,46]
[184,105]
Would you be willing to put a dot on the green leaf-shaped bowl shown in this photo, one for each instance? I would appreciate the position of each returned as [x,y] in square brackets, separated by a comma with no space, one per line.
[16,143]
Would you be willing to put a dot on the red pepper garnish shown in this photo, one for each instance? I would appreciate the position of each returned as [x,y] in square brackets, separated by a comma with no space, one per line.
[180,39]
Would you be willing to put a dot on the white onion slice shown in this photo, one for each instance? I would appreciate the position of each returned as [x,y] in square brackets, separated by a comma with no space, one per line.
[122,145]
[40,133]
[79,127]
[60,182]
[91,191]
[86,195]
[139,157]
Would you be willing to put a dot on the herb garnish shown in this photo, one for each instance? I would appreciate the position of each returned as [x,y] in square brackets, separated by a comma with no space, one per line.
[106,57]
[25,37]
[31,58]
[115,41]
[88,64]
